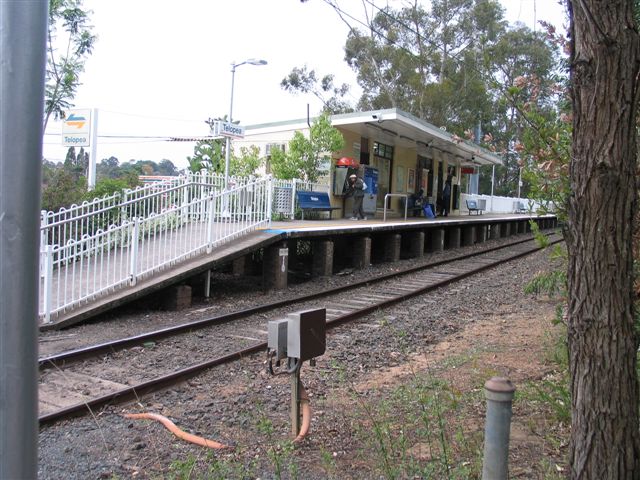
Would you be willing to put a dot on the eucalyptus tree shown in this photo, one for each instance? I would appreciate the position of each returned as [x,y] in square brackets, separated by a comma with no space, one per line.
[602,340]
[303,80]
[70,41]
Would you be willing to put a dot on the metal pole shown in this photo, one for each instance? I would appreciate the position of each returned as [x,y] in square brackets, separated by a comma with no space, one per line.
[23,33]
[499,393]
[295,402]
[227,150]
[91,181]
[493,178]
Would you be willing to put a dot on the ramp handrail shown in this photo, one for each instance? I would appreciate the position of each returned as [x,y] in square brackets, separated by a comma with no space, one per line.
[119,255]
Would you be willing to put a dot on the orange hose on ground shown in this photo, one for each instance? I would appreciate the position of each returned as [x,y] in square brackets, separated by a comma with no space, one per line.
[306,414]
[177,432]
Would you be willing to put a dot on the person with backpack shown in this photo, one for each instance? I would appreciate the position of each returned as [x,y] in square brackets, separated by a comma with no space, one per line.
[357,188]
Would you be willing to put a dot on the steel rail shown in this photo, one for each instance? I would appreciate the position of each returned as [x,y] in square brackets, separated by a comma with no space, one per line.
[59,359]
[188,372]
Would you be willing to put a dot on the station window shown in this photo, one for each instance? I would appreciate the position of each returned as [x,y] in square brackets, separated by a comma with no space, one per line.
[382,150]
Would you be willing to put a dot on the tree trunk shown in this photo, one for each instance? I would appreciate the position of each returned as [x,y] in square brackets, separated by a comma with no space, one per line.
[605,440]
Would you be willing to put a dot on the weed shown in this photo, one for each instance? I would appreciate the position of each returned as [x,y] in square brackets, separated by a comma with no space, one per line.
[328,463]
[412,433]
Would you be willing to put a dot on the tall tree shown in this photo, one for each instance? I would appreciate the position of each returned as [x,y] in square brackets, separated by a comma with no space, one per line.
[605,63]
[66,54]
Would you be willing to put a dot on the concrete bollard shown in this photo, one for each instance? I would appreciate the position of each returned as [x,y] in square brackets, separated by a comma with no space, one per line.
[499,393]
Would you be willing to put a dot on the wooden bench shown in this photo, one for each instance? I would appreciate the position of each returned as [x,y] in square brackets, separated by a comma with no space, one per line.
[472,206]
[315,202]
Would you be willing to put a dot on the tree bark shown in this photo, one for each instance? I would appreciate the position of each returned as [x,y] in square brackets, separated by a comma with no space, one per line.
[605,61]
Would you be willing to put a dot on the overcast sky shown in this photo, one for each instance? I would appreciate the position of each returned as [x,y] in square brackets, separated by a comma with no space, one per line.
[161,67]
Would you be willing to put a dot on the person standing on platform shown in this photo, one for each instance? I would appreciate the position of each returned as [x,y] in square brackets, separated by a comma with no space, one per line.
[446,196]
[357,188]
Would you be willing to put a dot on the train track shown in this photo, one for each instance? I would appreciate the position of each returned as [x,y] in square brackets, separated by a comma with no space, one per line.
[85,379]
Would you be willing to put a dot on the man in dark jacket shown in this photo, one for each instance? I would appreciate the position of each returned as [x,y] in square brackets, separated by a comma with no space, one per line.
[356,188]
[446,196]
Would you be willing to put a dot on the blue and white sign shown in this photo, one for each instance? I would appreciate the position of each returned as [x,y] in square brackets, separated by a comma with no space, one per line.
[76,128]
[227,129]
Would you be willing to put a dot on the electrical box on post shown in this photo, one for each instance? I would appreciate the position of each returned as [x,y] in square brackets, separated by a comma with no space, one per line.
[277,337]
[306,334]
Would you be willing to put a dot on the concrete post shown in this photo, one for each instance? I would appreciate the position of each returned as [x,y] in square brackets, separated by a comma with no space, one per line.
[437,240]
[23,34]
[499,393]
[505,229]
[322,258]
[522,226]
[361,252]
[416,244]
[514,228]
[495,231]
[275,267]
[468,235]
[241,266]
[392,247]
[453,237]
[481,233]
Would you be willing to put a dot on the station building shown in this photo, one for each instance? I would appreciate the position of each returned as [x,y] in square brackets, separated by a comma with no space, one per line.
[393,151]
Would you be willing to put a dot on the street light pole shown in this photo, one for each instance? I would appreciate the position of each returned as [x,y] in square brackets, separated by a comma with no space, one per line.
[227,152]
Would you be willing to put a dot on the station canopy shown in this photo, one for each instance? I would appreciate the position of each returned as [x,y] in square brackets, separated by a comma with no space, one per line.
[399,128]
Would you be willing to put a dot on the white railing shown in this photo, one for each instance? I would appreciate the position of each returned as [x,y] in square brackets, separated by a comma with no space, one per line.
[74,223]
[284,194]
[94,264]
[496,204]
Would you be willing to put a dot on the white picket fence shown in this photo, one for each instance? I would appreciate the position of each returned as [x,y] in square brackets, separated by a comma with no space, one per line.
[92,250]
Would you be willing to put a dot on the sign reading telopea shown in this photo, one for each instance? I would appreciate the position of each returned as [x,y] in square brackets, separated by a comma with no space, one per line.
[227,129]
[76,128]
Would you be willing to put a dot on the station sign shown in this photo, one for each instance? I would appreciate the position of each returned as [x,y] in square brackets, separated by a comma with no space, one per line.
[226,129]
[76,128]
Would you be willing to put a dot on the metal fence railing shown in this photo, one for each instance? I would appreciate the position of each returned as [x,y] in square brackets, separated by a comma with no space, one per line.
[96,251]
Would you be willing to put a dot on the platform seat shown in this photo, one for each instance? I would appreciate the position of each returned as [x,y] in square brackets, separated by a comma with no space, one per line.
[472,206]
[314,202]
[519,207]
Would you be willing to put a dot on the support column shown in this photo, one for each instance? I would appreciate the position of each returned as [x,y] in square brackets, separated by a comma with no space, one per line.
[176,298]
[322,258]
[437,240]
[522,226]
[416,244]
[392,247]
[292,244]
[453,237]
[505,229]
[361,252]
[495,231]
[481,233]
[241,266]
[275,267]
[514,228]
[468,235]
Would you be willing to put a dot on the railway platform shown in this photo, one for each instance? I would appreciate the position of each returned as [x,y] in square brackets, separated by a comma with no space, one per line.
[330,245]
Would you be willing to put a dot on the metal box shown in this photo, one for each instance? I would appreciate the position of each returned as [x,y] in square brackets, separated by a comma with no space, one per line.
[306,336]
[277,337]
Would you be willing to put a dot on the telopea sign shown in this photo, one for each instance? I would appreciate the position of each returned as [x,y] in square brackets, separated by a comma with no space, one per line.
[76,129]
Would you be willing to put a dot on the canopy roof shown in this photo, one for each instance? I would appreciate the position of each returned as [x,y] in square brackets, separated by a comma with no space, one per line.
[397,128]
[403,129]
